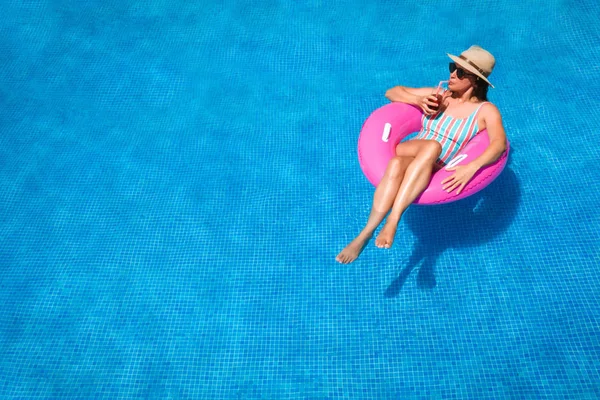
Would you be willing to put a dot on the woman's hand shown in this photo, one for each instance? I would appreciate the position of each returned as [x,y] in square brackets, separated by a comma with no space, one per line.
[462,176]
[428,104]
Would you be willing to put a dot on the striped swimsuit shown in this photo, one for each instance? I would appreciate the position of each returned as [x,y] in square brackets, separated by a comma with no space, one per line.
[452,133]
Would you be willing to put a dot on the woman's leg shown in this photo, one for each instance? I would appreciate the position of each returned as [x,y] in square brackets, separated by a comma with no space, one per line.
[384,197]
[416,179]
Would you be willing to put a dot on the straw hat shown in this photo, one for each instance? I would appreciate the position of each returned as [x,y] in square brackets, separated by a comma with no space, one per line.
[476,60]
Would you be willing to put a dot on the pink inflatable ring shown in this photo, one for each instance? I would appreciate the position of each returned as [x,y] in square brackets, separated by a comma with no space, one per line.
[388,125]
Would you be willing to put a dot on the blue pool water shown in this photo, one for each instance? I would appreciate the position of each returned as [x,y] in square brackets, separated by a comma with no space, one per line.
[176,179]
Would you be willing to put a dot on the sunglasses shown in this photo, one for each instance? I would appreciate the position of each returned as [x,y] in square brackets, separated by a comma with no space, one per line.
[460,73]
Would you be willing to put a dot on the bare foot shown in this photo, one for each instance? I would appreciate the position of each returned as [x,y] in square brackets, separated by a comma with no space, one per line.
[353,250]
[386,236]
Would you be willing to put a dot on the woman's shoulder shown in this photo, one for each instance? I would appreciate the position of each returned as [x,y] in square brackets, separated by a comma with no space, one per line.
[487,107]
[489,111]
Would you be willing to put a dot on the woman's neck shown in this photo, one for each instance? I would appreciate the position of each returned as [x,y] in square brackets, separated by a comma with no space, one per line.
[465,96]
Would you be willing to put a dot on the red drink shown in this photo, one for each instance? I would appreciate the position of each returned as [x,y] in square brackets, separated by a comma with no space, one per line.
[439,94]
[439,99]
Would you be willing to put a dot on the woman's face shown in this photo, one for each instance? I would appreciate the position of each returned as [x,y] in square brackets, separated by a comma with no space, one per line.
[457,84]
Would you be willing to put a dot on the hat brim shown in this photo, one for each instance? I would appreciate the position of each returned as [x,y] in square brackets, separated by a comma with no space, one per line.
[464,65]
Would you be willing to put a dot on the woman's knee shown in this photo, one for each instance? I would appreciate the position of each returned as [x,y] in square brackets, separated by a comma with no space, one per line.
[397,166]
[430,151]
[400,149]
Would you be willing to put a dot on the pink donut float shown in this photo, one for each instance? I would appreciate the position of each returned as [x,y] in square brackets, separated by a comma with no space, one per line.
[390,124]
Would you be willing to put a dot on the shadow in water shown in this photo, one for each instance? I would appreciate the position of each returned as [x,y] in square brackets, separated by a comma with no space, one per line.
[466,223]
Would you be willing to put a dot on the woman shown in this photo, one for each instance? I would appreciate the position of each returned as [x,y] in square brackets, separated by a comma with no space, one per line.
[462,112]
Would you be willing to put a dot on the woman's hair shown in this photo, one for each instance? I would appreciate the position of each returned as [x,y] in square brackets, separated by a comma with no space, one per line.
[480,89]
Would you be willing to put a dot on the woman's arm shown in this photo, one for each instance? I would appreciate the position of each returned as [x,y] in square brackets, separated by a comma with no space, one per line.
[407,95]
[493,124]
[420,97]
[464,173]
